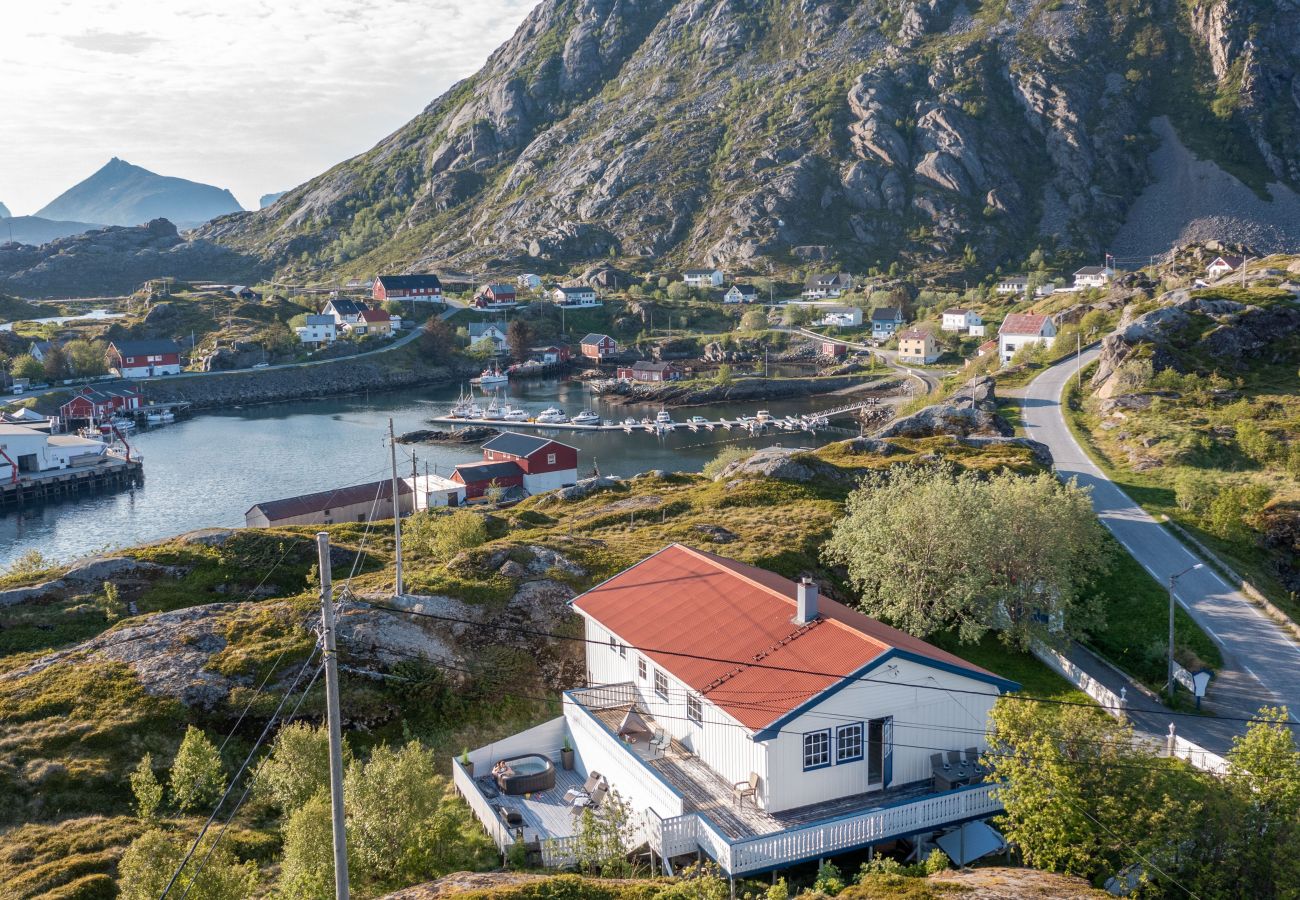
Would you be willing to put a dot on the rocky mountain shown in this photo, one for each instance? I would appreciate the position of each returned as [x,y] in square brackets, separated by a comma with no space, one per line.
[123,194]
[116,260]
[267,199]
[4,212]
[744,131]
[36,231]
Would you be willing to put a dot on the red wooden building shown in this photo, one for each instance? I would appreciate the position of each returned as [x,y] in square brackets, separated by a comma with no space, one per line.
[598,346]
[99,405]
[406,287]
[495,296]
[650,372]
[533,464]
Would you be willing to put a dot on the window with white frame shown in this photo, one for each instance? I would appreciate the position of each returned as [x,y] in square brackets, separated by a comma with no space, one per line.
[848,743]
[693,710]
[622,650]
[661,684]
[640,668]
[817,749]
[550,459]
[613,643]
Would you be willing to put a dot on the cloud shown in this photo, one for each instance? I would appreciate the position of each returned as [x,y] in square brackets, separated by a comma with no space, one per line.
[125,43]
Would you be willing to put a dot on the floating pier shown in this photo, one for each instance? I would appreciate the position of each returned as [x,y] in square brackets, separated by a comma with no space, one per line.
[109,473]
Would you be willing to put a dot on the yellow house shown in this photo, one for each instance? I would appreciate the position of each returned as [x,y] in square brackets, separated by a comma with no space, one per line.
[375,323]
[917,346]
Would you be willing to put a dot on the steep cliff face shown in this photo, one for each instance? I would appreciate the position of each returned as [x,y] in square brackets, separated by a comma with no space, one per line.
[739,131]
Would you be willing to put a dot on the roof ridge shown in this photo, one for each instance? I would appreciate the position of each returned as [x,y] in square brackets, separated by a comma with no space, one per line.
[716,562]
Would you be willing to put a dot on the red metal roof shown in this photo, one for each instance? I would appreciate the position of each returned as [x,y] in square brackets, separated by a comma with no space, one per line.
[685,610]
[1023,323]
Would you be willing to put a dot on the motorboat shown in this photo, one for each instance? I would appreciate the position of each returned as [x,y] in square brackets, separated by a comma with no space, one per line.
[763,416]
[662,418]
[513,414]
[552,416]
[168,416]
[493,410]
[154,418]
[586,417]
[697,420]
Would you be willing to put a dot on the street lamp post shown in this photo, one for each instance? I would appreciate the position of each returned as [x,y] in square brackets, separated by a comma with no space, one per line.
[1169,685]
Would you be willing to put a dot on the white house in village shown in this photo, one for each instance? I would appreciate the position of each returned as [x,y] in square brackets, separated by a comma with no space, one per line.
[529,282]
[740,293]
[1020,330]
[1224,265]
[318,329]
[1093,277]
[959,318]
[1012,284]
[577,295]
[703,278]
[846,317]
[839,756]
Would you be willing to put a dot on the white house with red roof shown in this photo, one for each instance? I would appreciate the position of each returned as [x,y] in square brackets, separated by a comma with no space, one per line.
[743,716]
[1022,330]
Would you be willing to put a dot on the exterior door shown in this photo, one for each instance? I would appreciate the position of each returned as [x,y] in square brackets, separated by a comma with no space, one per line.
[888,738]
[876,752]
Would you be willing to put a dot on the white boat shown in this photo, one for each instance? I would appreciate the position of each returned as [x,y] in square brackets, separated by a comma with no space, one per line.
[512,414]
[493,410]
[630,421]
[697,420]
[168,415]
[552,416]
[763,416]
[154,418]
[662,418]
[586,417]
[492,375]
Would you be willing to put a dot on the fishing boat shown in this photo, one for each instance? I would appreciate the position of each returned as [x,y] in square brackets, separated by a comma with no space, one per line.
[491,375]
[168,416]
[493,410]
[552,416]
[465,408]
[586,417]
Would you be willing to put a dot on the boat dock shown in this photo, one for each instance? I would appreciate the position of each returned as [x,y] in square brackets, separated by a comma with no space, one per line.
[810,422]
[109,473]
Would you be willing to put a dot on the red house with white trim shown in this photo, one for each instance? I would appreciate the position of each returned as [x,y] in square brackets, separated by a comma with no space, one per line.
[144,359]
[534,464]
[496,296]
[406,287]
[99,404]
[598,346]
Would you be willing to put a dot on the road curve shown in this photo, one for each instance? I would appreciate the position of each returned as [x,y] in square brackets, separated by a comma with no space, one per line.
[1262,661]
[928,380]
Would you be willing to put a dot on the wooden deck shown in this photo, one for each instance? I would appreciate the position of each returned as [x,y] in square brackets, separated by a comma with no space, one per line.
[545,813]
[707,793]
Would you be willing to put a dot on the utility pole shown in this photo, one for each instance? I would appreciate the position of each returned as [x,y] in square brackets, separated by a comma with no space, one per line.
[1169,684]
[332,710]
[1078,359]
[397,515]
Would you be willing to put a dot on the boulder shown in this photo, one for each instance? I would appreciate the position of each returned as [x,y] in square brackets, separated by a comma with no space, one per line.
[584,488]
[1042,454]
[783,463]
[946,418]
[715,533]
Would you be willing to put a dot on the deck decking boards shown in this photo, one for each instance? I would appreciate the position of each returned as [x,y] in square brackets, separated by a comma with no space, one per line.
[545,812]
[707,793]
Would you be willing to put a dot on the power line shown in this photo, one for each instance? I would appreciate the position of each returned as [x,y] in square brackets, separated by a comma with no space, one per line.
[753,664]
[262,737]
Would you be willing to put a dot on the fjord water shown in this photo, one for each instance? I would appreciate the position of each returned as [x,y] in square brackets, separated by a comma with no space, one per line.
[208,470]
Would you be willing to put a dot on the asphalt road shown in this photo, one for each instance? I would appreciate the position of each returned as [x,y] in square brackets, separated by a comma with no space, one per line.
[928,379]
[1262,662]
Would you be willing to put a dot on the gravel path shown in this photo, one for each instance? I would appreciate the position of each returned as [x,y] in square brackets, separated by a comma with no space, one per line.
[1195,200]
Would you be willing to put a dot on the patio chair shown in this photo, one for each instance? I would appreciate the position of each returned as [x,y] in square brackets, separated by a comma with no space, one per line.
[973,760]
[742,789]
[662,742]
[593,779]
[592,801]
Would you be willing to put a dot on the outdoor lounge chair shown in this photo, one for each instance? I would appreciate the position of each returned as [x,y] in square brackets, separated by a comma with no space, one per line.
[593,800]
[593,779]
[742,789]
[661,742]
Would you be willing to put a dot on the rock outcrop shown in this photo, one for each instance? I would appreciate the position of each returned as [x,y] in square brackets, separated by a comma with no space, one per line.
[970,411]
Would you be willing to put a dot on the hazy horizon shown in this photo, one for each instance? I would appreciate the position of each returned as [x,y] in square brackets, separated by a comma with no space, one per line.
[264,96]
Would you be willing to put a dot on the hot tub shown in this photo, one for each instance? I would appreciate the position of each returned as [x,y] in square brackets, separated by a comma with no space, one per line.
[528,774]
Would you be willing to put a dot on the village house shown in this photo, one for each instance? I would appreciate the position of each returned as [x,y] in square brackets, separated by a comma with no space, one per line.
[861,739]
[145,359]
[243,292]
[1093,277]
[885,321]
[833,349]
[39,350]
[1012,284]
[1021,330]
[650,372]
[93,405]
[1046,289]
[435,491]
[984,349]
[354,503]
[425,288]
[598,347]
[28,451]
[575,296]
[960,319]
[529,282]
[740,293]
[821,286]
[492,332]
[319,329]
[703,278]
[374,323]
[849,317]
[1222,265]
[496,296]
[343,311]
[519,465]
[918,347]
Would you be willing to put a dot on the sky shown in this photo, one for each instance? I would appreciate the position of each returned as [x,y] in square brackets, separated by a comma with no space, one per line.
[256,96]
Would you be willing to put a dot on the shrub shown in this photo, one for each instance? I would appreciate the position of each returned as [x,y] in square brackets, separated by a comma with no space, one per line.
[443,536]
[147,789]
[297,767]
[1193,492]
[29,564]
[1259,446]
[714,467]
[197,777]
[829,881]
[1229,513]
[149,862]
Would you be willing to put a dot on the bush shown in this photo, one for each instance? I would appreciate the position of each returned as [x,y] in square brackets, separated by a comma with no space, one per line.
[442,536]
[1258,445]
[197,777]
[149,862]
[829,881]
[147,789]
[1230,512]
[297,767]
[1193,492]
[714,467]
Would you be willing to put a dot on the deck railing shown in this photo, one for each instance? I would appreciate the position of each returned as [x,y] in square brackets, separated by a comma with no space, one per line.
[478,803]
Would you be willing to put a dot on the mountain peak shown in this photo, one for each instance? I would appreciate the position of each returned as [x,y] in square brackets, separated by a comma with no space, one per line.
[121,193]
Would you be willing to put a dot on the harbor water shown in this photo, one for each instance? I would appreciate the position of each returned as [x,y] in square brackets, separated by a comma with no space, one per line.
[208,470]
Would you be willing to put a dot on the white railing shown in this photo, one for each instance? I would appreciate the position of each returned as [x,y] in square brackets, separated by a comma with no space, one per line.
[714,843]
[559,852]
[607,695]
[1199,757]
[817,840]
[677,836]
[478,804]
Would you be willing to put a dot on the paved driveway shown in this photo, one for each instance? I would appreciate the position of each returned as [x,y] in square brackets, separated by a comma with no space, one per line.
[1262,662]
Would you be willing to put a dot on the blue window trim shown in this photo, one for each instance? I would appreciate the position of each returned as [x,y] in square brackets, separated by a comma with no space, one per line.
[830,750]
[862,743]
